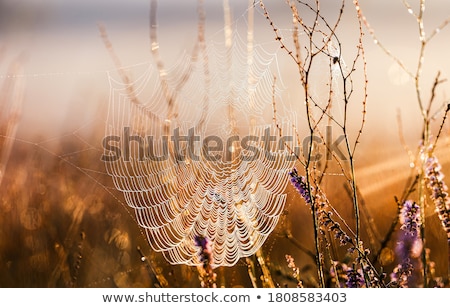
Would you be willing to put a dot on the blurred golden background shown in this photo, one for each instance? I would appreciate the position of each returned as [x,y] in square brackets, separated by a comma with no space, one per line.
[62,222]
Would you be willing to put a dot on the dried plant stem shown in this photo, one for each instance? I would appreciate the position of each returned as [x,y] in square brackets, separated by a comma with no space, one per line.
[206,71]
[426,132]
[251,272]
[420,61]
[170,99]
[304,54]
[267,280]
[131,93]
[156,276]
[304,74]
[441,127]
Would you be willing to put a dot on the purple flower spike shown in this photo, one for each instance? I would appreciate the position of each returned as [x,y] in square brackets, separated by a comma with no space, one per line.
[206,248]
[300,184]
[207,275]
[439,192]
[410,218]
[354,279]
[201,241]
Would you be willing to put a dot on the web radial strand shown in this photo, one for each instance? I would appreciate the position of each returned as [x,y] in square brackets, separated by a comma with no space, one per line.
[235,199]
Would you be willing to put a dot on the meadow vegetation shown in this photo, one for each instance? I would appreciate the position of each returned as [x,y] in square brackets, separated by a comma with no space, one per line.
[65,224]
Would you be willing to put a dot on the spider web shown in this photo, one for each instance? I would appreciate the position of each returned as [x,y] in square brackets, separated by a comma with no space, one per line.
[94,239]
[236,198]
